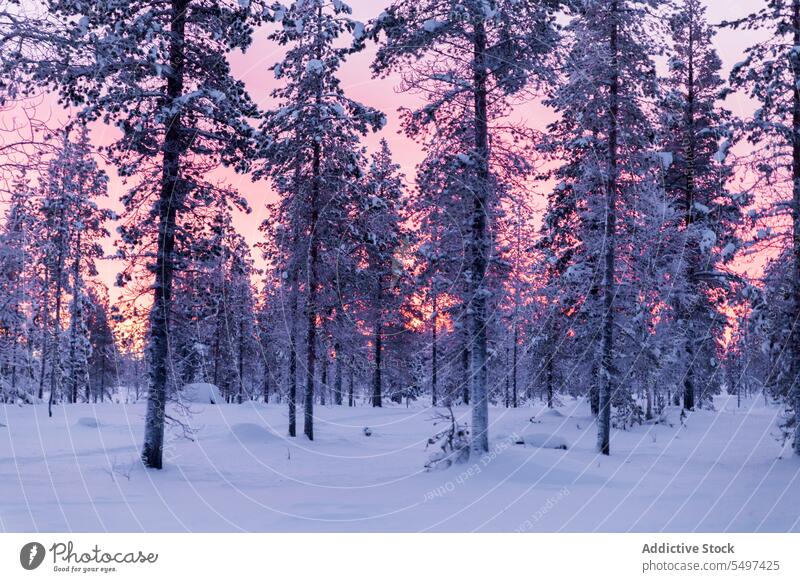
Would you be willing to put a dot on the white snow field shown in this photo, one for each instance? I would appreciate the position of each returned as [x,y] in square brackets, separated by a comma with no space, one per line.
[723,471]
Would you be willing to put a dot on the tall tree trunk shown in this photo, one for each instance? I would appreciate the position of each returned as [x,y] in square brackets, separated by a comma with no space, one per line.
[337,381]
[15,332]
[514,359]
[311,333]
[217,348]
[796,224]
[607,380]
[550,379]
[465,368]
[435,352]
[55,356]
[169,199]
[507,394]
[265,380]
[240,387]
[350,382]
[102,376]
[323,365]
[45,333]
[313,257]
[377,383]
[292,376]
[477,310]
[76,317]
[691,275]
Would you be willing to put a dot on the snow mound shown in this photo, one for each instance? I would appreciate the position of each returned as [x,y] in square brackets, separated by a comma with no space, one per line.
[201,393]
[249,432]
[552,412]
[544,441]
[89,422]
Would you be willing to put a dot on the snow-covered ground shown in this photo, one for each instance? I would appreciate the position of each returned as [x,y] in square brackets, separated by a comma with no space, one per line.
[78,471]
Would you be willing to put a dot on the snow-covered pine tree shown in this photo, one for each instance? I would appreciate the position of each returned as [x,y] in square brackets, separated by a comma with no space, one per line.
[27,36]
[52,248]
[311,146]
[159,72]
[437,207]
[16,374]
[444,216]
[270,333]
[519,297]
[607,141]
[238,306]
[213,278]
[467,58]
[691,126]
[569,277]
[103,361]
[88,229]
[770,74]
[765,338]
[279,248]
[380,235]
[70,228]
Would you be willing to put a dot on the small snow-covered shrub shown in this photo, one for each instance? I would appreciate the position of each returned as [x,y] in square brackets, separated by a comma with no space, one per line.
[453,442]
[122,468]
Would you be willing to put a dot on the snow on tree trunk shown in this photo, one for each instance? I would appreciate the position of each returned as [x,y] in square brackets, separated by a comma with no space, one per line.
[311,296]
[292,375]
[795,341]
[607,376]
[337,381]
[478,246]
[169,199]
[377,384]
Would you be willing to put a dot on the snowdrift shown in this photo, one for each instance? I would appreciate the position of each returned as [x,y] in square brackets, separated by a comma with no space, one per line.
[89,422]
[200,393]
[249,432]
[544,441]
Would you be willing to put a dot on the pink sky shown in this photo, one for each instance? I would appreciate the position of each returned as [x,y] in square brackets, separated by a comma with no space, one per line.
[253,68]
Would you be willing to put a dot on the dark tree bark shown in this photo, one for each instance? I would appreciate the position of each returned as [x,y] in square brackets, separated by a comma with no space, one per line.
[691,275]
[292,376]
[169,200]
[240,355]
[311,308]
[55,354]
[465,366]
[479,260]
[323,385]
[266,382]
[75,317]
[377,381]
[350,382]
[607,386]
[796,224]
[514,356]
[435,352]
[337,381]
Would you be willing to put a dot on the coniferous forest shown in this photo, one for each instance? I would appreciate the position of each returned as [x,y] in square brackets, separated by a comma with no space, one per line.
[319,262]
